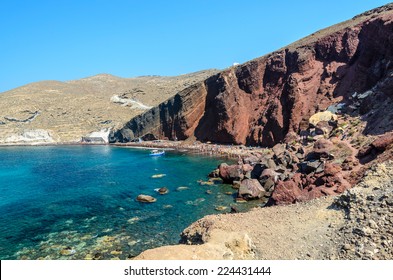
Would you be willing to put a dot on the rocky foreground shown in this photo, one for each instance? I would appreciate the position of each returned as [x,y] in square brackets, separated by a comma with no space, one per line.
[355,225]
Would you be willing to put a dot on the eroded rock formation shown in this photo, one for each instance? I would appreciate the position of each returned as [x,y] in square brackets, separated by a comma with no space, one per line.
[265,100]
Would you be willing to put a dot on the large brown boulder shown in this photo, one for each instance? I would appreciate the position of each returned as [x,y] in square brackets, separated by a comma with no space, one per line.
[287,192]
[304,187]
[378,146]
[251,189]
[230,173]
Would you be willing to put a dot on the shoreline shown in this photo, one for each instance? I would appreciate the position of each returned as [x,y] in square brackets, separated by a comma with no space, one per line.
[216,231]
[219,150]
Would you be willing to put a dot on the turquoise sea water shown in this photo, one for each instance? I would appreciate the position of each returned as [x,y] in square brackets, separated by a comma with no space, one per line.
[77,202]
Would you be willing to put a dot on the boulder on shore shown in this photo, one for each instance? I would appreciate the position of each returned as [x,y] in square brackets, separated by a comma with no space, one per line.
[286,192]
[251,189]
[230,173]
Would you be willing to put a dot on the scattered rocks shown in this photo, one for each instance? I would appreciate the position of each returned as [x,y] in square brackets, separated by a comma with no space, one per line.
[367,233]
[205,183]
[311,166]
[290,173]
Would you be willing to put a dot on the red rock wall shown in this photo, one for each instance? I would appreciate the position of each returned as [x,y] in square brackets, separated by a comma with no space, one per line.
[261,101]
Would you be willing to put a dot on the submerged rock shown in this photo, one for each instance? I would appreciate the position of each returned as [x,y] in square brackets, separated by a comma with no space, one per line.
[133,220]
[195,202]
[221,208]
[67,252]
[205,183]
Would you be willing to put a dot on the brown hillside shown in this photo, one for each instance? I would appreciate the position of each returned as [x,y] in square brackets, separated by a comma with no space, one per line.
[52,111]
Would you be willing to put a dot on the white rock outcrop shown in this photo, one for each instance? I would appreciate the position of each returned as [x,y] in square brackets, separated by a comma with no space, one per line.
[33,136]
[129,102]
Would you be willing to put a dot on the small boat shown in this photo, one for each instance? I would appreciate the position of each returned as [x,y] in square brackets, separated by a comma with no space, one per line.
[158,176]
[157,153]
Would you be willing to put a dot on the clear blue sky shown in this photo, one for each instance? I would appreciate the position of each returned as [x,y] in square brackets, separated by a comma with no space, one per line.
[65,40]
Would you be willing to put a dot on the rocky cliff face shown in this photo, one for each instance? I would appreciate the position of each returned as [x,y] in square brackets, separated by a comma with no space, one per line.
[264,101]
[176,117]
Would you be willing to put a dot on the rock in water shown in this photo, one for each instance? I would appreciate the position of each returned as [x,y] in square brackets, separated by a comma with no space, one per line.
[67,252]
[221,208]
[163,190]
[146,198]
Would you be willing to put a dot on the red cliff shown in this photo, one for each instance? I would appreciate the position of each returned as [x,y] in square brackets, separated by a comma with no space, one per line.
[263,101]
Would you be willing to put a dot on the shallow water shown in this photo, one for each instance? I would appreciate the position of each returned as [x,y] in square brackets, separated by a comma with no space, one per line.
[78,202]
